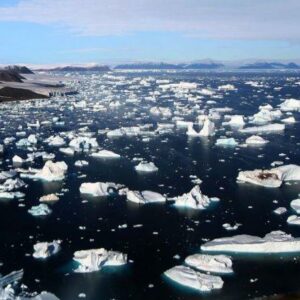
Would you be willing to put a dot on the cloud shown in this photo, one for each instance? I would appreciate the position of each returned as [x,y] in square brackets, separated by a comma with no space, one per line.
[205,19]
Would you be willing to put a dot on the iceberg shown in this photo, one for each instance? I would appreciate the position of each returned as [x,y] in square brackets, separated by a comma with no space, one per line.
[194,199]
[293,220]
[55,141]
[52,171]
[289,120]
[99,189]
[271,178]
[256,140]
[161,111]
[273,242]
[208,128]
[81,163]
[290,105]
[144,197]
[49,198]
[210,263]
[236,120]
[264,128]
[105,154]
[146,167]
[226,142]
[188,277]
[40,210]
[12,185]
[46,249]
[83,143]
[295,205]
[95,259]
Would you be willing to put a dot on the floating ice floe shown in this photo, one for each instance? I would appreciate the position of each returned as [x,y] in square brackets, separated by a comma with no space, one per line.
[52,171]
[290,105]
[81,163]
[17,160]
[99,189]
[271,178]
[264,128]
[227,87]
[289,120]
[67,151]
[144,197]
[49,198]
[95,259]
[273,242]
[186,276]
[295,205]
[210,263]
[55,141]
[83,143]
[146,167]
[12,185]
[46,249]
[105,154]
[161,111]
[293,220]
[194,199]
[226,142]
[40,210]
[256,140]
[280,210]
[236,121]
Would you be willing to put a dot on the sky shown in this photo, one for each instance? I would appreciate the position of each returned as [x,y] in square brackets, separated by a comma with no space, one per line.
[117,31]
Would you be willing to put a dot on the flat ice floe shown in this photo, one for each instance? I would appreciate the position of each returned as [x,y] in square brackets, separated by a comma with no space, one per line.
[193,199]
[210,263]
[290,105]
[226,142]
[40,210]
[273,242]
[271,178]
[144,197]
[189,277]
[264,128]
[105,154]
[95,259]
[46,249]
[99,189]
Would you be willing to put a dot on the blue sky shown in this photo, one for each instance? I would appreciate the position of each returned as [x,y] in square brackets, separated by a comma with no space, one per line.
[112,31]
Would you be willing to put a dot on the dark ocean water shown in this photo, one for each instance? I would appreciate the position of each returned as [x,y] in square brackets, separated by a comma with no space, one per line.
[180,231]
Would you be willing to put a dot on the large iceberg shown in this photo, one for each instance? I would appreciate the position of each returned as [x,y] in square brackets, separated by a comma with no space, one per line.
[210,263]
[273,242]
[188,277]
[95,259]
[271,178]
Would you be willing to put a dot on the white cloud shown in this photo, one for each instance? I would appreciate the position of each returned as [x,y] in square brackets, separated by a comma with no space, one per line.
[212,19]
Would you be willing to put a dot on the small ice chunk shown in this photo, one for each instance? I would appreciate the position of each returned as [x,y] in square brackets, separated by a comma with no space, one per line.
[99,189]
[256,140]
[226,142]
[49,198]
[105,154]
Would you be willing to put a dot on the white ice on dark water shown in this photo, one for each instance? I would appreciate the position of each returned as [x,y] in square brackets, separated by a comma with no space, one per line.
[271,178]
[95,259]
[99,189]
[193,199]
[146,167]
[144,197]
[273,242]
[188,277]
[46,249]
[221,264]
